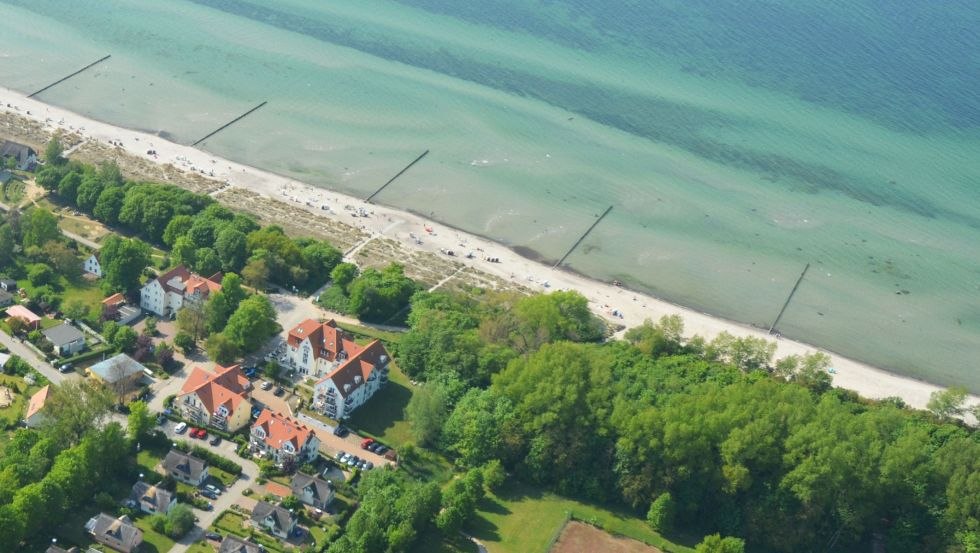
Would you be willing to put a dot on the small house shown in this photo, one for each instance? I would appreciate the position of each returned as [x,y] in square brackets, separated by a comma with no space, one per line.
[315,492]
[121,374]
[233,544]
[34,416]
[25,158]
[274,519]
[6,298]
[8,284]
[20,312]
[152,499]
[116,308]
[118,533]
[91,265]
[185,468]
[66,339]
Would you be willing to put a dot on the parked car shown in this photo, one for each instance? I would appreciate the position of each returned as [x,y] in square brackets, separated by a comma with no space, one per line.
[341,431]
[250,372]
[213,536]
[266,385]
[213,489]
[381,449]
[366,443]
[278,391]
[67,367]
[342,456]
[181,426]
[202,434]
[391,455]
[161,419]
[209,494]
[353,460]
[368,465]
[215,440]
[256,412]
[373,448]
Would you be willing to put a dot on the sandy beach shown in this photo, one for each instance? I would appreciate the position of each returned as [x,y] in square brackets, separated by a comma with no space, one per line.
[416,233]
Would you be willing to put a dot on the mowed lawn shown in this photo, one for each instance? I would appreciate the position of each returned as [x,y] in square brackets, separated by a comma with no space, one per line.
[383,417]
[523,519]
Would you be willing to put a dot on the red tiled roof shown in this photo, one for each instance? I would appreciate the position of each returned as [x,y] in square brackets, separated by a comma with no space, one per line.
[114,300]
[205,286]
[280,429]
[361,362]
[180,272]
[37,401]
[226,386]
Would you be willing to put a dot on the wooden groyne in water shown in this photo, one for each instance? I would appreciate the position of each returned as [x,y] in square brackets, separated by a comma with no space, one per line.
[229,123]
[398,174]
[65,78]
[581,238]
[789,299]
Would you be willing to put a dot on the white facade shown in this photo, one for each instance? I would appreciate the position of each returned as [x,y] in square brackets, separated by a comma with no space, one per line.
[338,399]
[91,265]
[155,299]
[305,362]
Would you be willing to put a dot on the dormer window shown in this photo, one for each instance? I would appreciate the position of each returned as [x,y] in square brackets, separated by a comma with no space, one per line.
[223,411]
[259,432]
[288,447]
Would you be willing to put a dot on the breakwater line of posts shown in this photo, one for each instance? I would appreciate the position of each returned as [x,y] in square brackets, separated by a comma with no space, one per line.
[581,238]
[789,298]
[229,123]
[65,78]
[398,174]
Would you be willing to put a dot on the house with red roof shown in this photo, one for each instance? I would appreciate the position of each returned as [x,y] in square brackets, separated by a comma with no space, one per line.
[219,399]
[35,416]
[350,373]
[166,294]
[283,439]
[20,312]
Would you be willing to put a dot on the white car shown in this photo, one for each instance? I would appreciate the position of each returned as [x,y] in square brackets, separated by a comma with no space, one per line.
[181,426]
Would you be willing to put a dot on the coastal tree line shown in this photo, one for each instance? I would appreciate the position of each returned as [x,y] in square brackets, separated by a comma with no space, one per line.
[702,436]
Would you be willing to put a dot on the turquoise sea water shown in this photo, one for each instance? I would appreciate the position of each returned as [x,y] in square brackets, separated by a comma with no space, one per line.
[737,141]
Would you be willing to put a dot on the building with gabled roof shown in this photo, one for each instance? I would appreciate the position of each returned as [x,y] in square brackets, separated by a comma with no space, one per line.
[91,265]
[167,293]
[351,373]
[152,499]
[24,156]
[35,416]
[66,339]
[20,312]
[218,399]
[315,492]
[274,519]
[118,533]
[283,439]
[233,544]
[185,468]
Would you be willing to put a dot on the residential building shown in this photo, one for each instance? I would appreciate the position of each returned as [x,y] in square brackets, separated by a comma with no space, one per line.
[6,298]
[315,492]
[121,373]
[34,416]
[283,439]
[165,295]
[118,533]
[25,156]
[91,265]
[351,373]
[218,399]
[152,499]
[56,549]
[274,519]
[8,284]
[233,544]
[20,312]
[66,339]
[116,308]
[185,468]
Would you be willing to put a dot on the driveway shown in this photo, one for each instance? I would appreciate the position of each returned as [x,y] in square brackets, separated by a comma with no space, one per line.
[330,444]
[32,358]
[231,495]
[283,404]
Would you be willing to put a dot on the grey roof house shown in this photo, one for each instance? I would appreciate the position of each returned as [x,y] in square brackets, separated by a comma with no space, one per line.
[185,468]
[152,499]
[121,373]
[234,544]
[8,284]
[56,549]
[66,339]
[25,156]
[117,533]
[274,519]
[313,491]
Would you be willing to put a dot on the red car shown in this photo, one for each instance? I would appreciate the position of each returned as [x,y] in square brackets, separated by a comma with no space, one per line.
[202,433]
[366,443]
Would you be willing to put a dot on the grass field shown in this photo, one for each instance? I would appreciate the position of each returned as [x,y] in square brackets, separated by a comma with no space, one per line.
[14,413]
[153,542]
[522,519]
[232,523]
[383,418]
[364,334]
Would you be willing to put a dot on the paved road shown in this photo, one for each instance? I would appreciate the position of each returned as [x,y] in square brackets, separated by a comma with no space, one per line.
[250,471]
[31,357]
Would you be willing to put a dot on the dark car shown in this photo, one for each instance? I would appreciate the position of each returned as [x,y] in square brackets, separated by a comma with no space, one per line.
[381,449]
[213,536]
[278,391]
[215,440]
[209,494]
[67,367]
[341,431]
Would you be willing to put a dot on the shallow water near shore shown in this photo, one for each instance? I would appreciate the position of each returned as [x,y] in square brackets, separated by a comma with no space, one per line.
[735,144]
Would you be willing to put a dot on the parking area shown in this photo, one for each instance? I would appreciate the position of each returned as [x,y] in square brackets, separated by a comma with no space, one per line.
[330,445]
[286,403]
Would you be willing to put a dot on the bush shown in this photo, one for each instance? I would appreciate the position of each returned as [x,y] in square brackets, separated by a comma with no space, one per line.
[660,517]
[185,342]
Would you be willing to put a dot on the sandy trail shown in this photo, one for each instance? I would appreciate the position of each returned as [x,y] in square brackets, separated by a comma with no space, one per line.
[414,232]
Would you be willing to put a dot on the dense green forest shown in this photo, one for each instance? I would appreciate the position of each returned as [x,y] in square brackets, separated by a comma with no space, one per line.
[708,437]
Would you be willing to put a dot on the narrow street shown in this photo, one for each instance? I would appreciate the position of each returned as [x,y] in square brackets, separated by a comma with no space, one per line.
[32,358]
